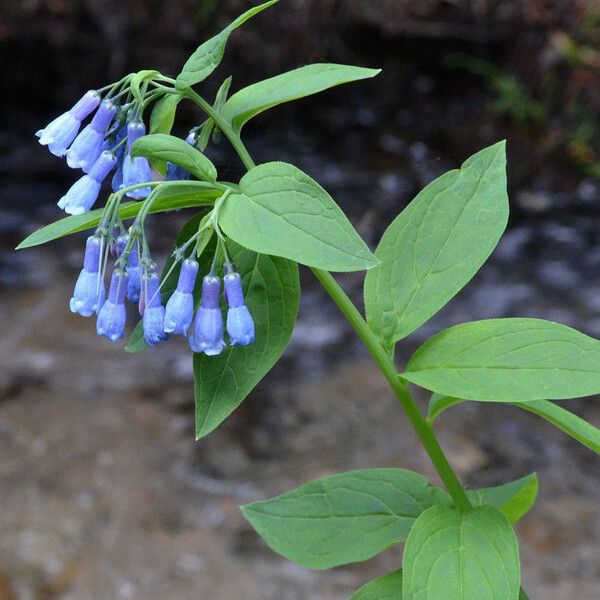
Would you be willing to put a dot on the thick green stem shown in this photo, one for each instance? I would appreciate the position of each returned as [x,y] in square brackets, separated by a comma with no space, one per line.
[383,360]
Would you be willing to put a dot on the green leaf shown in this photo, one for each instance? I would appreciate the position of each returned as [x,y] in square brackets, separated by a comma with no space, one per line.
[209,124]
[137,79]
[161,121]
[272,292]
[514,499]
[344,518]
[298,83]
[388,587]
[438,403]
[170,277]
[208,56]
[282,211]
[172,197]
[508,360]
[523,595]
[162,147]
[436,245]
[461,556]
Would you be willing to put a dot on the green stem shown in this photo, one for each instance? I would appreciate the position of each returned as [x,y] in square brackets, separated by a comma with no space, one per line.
[383,360]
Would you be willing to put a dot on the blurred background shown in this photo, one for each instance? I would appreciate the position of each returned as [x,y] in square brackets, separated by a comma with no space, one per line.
[103,492]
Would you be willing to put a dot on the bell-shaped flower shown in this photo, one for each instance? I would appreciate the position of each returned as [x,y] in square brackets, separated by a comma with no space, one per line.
[60,133]
[240,325]
[135,274]
[136,170]
[207,331]
[154,312]
[89,291]
[112,315]
[84,192]
[179,312]
[88,145]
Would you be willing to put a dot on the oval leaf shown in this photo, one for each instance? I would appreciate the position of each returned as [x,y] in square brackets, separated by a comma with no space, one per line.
[172,197]
[209,55]
[461,556]
[388,587]
[272,294]
[282,211]
[298,83]
[162,147]
[508,360]
[514,499]
[436,245]
[344,518]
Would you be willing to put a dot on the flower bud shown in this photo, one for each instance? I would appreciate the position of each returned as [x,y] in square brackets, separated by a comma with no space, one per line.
[240,325]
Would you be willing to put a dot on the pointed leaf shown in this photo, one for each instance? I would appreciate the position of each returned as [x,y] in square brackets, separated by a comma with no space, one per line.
[344,518]
[461,556]
[436,245]
[438,403]
[310,79]
[272,296]
[209,55]
[159,146]
[282,211]
[388,587]
[508,360]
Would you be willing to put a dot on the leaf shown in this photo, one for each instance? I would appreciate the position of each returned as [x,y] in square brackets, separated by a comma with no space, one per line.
[170,277]
[298,83]
[514,499]
[344,518]
[461,556]
[209,124]
[272,292]
[159,146]
[282,211]
[172,197]
[208,56]
[137,79]
[161,121]
[388,587]
[508,360]
[566,421]
[436,245]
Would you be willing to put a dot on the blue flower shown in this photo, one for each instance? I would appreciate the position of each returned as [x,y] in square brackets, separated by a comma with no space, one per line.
[112,315]
[154,312]
[84,192]
[207,331]
[60,133]
[240,325]
[136,170]
[89,291]
[117,179]
[175,172]
[88,145]
[180,307]
[135,275]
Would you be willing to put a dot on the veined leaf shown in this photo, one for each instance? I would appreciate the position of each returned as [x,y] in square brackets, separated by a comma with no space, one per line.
[461,556]
[514,499]
[173,197]
[344,518]
[159,146]
[209,55]
[436,245]
[388,587]
[272,292]
[161,121]
[292,85]
[509,360]
[280,210]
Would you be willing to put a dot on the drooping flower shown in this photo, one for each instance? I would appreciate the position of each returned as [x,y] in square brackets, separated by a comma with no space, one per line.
[112,315]
[60,133]
[154,312]
[135,275]
[89,291]
[84,192]
[136,170]
[179,312]
[240,325]
[175,172]
[88,145]
[207,331]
